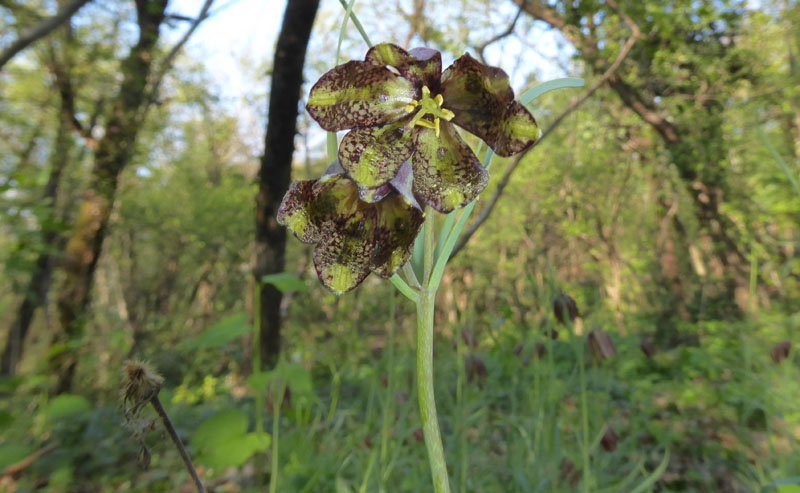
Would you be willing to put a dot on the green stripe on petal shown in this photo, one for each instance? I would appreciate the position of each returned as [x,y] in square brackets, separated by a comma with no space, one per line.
[447,175]
[347,233]
[359,94]
[372,155]
[483,102]
[294,211]
[398,225]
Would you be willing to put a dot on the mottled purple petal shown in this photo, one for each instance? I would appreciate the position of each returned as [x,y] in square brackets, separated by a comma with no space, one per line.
[403,182]
[422,66]
[359,94]
[483,102]
[447,175]
[347,234]
[375,194]
[294,211]
[372,155]
[398,225]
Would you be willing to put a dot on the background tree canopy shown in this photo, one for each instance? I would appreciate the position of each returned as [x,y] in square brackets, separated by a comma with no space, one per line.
[142,161]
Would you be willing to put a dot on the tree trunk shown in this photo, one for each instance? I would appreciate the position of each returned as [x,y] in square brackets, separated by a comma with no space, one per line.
[275,171]
[112,155]
[36,293]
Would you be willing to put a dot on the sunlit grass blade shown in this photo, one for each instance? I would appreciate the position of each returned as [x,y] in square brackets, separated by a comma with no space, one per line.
[654,476]
[778,159]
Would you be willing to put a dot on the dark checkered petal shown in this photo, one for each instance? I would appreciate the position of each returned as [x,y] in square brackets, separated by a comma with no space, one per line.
[372,155]
[483,102]
[399,222]
[347,233]
[421,66]
[294,211]
[447,175]
[359,94]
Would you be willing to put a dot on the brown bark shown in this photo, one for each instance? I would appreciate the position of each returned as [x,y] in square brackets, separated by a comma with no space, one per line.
[275,171]
[112,155]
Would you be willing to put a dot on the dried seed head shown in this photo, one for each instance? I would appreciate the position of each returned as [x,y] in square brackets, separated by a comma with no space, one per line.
[781,351]
[140,383]
[601,345]
[564,306]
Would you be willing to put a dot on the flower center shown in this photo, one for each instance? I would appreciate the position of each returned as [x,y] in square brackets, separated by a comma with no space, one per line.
[429,106]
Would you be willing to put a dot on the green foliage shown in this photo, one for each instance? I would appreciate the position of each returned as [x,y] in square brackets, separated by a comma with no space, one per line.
[285,282]
[222,440]
[221,333]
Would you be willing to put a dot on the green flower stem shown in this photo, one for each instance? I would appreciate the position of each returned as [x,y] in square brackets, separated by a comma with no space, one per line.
[277,402]
[425,395]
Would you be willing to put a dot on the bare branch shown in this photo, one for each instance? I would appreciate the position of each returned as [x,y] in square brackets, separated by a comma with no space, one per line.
[167,62]
[41,30]
[487,210]
[481,48]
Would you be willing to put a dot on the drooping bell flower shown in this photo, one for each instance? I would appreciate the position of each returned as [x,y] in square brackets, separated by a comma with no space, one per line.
[399,105]
[354,236]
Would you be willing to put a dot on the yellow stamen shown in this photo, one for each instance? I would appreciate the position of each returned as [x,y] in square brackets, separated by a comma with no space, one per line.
[429,106]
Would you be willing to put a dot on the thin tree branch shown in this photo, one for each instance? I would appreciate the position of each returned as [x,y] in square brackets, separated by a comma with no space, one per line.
[481,48]
[167,62]
[41,30]
[487,210]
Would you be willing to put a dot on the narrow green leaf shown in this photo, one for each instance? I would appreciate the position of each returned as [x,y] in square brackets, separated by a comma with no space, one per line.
[357,24]
[551,85]
[221,332]
[404,288]
[333,147]
[654,476]
[285,282]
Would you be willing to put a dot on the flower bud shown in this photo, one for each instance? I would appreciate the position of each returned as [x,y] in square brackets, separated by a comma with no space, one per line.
[609,440]
[648,348]
[601,345]
[564,306]
[781,351]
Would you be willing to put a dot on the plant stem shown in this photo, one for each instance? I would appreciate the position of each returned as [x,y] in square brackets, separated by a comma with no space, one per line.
[425,395]
[388,408]
[259,398]
[178,444]
[277,401]
[584,417]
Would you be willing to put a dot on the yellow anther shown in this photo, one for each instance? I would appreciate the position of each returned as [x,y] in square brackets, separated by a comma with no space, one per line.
[429,106]
[425,123]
